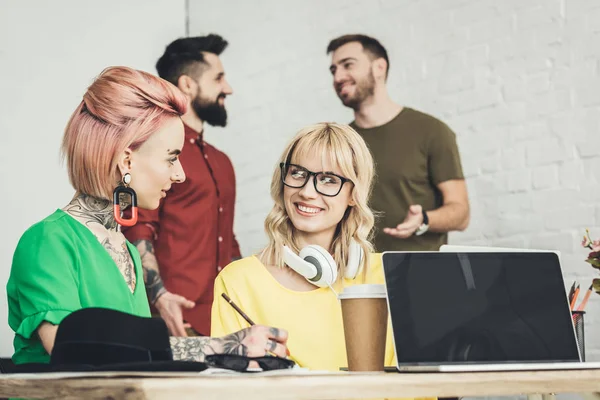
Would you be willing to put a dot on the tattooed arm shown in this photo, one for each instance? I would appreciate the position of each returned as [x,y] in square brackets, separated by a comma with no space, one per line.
[255,341]
[154,284]
[168,304]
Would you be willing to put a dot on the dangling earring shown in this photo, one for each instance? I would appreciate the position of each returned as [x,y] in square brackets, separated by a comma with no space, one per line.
[124,188]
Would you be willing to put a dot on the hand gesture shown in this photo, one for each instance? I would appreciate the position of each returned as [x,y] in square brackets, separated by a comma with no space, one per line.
[169,306]
[414,219]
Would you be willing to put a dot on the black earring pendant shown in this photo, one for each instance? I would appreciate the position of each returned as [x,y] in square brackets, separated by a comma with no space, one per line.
[117,207]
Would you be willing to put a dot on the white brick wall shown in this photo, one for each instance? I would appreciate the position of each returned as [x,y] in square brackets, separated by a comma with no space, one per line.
[518,80]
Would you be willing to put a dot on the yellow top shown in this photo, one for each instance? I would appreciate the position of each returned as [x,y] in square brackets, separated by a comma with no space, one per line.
[313,319]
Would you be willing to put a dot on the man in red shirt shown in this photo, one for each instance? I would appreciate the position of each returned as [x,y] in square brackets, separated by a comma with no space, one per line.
[189,238]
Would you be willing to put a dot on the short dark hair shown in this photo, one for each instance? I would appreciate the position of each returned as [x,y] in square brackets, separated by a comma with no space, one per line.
[183,56]
[369,44]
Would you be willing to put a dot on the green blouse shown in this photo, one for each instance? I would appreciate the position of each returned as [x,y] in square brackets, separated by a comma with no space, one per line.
[59,267]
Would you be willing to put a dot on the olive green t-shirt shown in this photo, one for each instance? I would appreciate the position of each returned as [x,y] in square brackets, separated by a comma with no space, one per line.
[413,153]
[59,267]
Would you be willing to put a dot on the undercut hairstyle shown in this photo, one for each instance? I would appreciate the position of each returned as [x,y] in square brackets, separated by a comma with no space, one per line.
[370,45]
[121,109]
[185,56]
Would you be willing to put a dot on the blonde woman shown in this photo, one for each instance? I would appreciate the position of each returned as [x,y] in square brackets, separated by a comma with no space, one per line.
[320,188]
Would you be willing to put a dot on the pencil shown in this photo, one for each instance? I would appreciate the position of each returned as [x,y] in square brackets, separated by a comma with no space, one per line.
[585,299]
[239,310]
[248,319]
[572,291]
[574,297]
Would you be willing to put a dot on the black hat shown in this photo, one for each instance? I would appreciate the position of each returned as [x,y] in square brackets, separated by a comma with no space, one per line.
[100,339]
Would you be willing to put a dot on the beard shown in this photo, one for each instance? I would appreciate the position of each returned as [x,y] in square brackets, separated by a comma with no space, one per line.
[210,112]
[364,89]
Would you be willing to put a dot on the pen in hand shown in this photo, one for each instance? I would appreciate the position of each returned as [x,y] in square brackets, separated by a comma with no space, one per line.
[243,314]
[239,310]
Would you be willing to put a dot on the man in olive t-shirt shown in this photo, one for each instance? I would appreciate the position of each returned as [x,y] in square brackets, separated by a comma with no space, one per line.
[420,191]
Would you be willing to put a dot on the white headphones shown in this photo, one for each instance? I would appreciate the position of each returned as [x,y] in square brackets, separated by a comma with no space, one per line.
[318,266]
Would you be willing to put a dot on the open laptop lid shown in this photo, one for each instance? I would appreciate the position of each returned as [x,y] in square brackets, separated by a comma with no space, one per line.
[478,308]
[454,248]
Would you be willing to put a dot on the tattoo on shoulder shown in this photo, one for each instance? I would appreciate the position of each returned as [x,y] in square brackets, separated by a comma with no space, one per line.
[190,348]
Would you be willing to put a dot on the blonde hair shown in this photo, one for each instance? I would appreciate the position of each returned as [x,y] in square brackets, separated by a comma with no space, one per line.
[341,146]
[121,109]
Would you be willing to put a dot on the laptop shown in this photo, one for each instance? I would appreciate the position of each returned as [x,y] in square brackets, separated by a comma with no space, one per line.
[480,311]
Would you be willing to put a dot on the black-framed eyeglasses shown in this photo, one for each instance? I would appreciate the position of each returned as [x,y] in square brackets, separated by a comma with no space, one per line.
[240,363]
[326,183]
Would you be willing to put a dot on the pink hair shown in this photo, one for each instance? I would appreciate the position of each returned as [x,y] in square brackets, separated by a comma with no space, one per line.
[120,110]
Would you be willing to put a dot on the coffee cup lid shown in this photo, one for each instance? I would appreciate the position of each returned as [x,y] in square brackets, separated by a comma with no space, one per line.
[366,291]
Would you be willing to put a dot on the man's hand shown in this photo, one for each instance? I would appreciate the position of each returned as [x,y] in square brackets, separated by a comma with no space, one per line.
[169,306]
[411,223]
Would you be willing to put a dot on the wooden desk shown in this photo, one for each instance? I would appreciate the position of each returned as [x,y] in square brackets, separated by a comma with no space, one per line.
[304,386]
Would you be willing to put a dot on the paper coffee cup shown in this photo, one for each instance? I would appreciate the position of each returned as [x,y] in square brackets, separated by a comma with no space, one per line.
[365,315]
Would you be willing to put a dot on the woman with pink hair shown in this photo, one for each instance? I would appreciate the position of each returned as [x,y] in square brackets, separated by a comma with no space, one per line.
[121,147]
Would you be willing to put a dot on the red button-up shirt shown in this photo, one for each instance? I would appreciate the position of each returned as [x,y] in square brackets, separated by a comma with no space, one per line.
[192,230]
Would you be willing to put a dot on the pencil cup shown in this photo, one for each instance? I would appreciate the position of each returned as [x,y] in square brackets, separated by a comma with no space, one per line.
[365,315]
[579,331]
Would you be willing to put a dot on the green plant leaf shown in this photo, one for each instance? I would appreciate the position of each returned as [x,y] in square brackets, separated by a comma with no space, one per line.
[594,261]
[596,285]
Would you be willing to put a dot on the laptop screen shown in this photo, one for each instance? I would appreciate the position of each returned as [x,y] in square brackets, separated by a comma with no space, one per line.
[449,308]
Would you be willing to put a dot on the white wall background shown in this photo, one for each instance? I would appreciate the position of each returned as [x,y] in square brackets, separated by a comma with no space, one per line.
[49,53]
[518,80]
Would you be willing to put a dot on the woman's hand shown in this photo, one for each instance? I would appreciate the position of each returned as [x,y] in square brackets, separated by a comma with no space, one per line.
[169,306]
[255,341]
